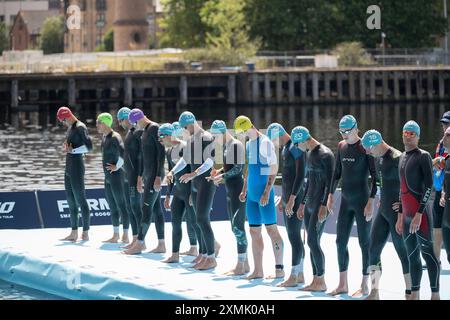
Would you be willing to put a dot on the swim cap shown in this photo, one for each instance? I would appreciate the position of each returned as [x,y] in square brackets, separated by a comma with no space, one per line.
[165,129]
[177,129]
[300,134]
[218,127]
[348,122]
[105,118]
[186,118]
[412,126]
[135,115]
[63,113]
[242,124]
[275,130]
[123,113]
[371,138]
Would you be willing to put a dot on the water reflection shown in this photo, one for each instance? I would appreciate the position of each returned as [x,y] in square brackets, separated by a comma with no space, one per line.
[32,158]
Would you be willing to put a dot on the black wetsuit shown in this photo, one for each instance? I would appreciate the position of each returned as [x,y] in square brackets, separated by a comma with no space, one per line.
[293,176]
[384,224]
[320,164]
[180,202]
[415,190]
[112,149]
[446,215]
[353,165]
[77,136]
[133,161]
[234,160]
[153,154]
[202,190]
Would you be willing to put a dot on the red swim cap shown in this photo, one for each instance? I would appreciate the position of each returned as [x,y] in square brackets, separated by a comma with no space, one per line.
[63,113]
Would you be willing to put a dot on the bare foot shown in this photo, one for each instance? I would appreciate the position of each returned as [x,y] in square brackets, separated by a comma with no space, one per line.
[73,236]
[373,295]
[161,248]
[254,275]
[85,236]
[290,282]
[125,238]
[338,290]
[315,286]
[174,258]
[361,292]
[239,270]
[301,278]
[136,249]
[279,273]
[209,263]
[197,259]
[217,247]
[191,252]
[128,246]
[114,239]
[199,263]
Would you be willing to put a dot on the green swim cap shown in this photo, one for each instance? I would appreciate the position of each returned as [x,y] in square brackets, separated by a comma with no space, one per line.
[105,118]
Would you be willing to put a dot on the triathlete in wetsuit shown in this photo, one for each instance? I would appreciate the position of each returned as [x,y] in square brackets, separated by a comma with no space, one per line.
[320,164]
[414,220]
[353,166]
[76,144]
[112,160]
[386,162]
[293,176]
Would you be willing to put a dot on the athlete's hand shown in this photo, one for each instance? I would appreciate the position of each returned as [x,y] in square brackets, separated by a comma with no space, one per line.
[290,206]
[185,178]
[67,147]
[368,210]
[111,167]
[167,203]
[157,184]
[139,184]
[264,200]
[243,196]
[442,199]
[396,206]
[399,224]
[169,177]
[330,203]
[437,163]
[415,223]
[301,212]
[214,172]
[322,214]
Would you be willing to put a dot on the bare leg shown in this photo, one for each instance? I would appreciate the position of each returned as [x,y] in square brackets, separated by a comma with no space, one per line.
[193,251]
[364,289]
[257,248]
[125,238]
[277,245]
[85,236]
[343,285]
[73,236]
[160,248]
[318,285]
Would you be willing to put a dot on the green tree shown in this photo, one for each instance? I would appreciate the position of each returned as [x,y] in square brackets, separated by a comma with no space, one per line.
[182,24]
[4,37]
[108,42]
[227,29]
[52,35]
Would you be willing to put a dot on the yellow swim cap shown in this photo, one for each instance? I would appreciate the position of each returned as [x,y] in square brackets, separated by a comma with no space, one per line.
[242,124]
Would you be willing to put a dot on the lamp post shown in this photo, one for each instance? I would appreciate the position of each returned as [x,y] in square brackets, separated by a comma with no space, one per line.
[383,46]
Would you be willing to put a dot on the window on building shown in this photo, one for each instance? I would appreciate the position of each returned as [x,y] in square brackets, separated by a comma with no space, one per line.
[100,20]
[53,4]
[2,18]
[100,5]
[99,40]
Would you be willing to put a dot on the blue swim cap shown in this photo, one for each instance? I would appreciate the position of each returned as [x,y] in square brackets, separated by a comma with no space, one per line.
[300,134]
[218,127]
[123,113]
[275,130]
[348,122]
[165,129]
[186,118]
[371,138]
[177,129]
[412,126]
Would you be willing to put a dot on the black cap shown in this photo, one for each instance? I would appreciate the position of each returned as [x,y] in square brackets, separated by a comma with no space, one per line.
[446,117]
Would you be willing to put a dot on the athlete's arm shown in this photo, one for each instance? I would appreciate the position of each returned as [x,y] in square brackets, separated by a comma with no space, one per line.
[171,182]
[238,166]
[87,141]
[374,175]
[299,174]
[328,163]
[427,170]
